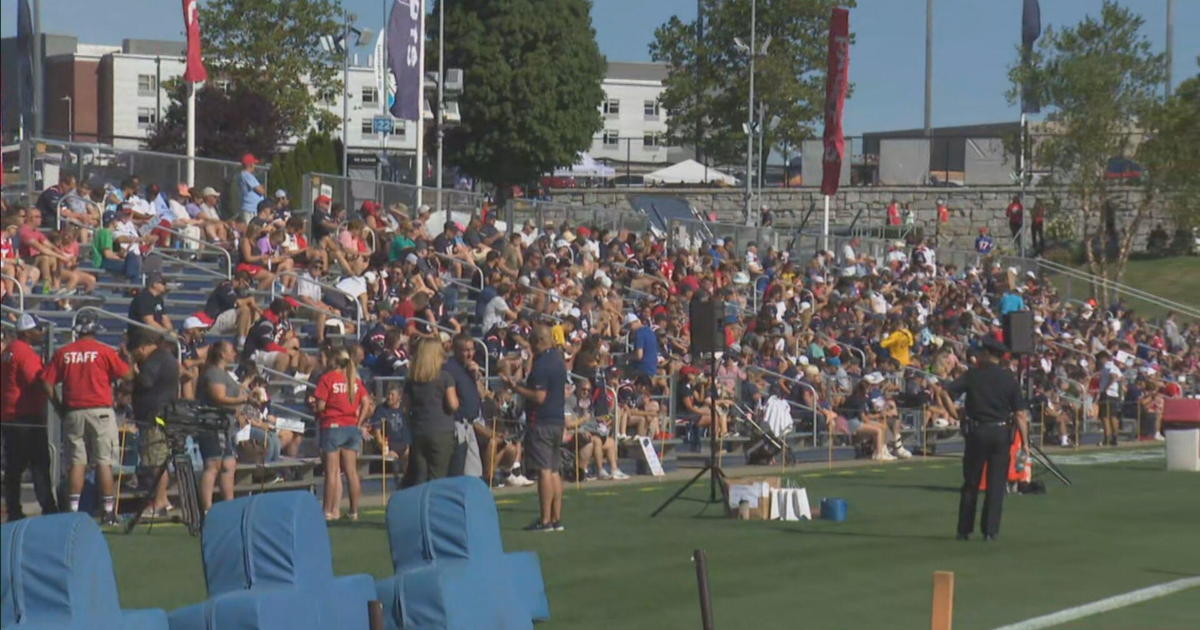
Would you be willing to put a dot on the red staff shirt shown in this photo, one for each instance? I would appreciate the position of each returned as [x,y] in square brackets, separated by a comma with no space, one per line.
[86,369]
[339,411]
[21,395]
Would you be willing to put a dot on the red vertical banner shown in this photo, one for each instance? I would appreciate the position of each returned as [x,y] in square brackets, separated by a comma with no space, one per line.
[195,71]
[837,82]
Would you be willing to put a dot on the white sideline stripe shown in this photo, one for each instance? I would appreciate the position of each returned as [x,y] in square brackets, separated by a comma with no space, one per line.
[1105,605]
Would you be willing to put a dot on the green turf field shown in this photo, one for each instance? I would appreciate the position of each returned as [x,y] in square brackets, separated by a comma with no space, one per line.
[1121,527]
[1175,278]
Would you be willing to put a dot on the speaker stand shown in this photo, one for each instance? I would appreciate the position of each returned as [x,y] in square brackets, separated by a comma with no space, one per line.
[717,480]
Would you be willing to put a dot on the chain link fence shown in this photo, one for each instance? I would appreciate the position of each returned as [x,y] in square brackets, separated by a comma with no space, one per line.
[542,213]
[352,192]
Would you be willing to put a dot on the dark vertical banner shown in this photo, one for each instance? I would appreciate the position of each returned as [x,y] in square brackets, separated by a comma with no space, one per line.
[1031,30]
[406,29]
[837,82]
[195,71]
[25,64]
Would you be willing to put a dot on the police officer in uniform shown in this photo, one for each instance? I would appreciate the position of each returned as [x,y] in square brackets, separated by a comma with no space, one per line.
[993,401]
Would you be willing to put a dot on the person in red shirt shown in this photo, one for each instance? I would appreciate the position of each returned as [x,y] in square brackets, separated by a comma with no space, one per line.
[87,368]
[1016,215]
[893,213]
[342,406]
[23,419]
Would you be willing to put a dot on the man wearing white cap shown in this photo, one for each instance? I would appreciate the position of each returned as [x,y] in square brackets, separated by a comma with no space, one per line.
[23,419]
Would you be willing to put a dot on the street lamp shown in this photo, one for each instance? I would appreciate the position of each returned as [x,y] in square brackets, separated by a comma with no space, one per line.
[70,118]
[753,50]
[341,44]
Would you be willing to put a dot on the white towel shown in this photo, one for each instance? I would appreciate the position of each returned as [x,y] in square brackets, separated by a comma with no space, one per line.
[778,416]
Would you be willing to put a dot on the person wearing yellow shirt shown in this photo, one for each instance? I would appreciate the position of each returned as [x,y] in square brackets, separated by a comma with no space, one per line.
[899,343]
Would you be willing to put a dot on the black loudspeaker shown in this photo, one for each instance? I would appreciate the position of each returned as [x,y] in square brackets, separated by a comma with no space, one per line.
[1018,332]
[708,335]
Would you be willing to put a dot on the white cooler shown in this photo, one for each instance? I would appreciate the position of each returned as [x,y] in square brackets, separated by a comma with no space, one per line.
[1181,425]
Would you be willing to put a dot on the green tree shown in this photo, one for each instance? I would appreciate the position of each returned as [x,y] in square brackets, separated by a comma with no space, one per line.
[228,123]
[708,83]
[1101,82]
[1172,155]
[532,73]
[310,155]
[269,46]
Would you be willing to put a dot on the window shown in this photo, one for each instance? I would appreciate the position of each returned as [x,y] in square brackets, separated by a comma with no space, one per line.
[650,109]
[612,137]
[147,85]
[369,95]
[147,117]
[329,97]
[612,107]
[368,127]
[651,139]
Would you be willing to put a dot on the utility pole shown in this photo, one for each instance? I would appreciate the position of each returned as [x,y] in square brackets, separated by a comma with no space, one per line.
[928,68]
[1170,45]
[39,82]
[441,98]
[750,117]
[346,100]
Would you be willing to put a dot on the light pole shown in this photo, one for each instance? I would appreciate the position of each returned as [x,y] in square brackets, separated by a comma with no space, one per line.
[348,18]
[70,118]
[441,98]
[753,50]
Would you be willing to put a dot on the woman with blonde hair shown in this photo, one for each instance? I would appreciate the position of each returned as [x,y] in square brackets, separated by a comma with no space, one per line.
[430,401]
[342,406]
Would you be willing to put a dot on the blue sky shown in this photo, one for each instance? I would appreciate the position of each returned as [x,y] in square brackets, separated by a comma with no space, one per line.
[973,46]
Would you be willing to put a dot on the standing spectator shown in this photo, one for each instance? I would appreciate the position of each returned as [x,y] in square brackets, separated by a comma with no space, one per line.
[467,375]
[893,213]
[87,368]
[23,403]
[1015,212]
[148,307]
[1037,217]
[544,392]
[155,386]
[1110,397]
[431,399]
[984,243]
[218,388]
[645,347]
[252,191]
[342,406]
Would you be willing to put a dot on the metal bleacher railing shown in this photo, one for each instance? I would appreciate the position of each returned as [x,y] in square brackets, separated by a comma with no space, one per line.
[47,159]
[353,191]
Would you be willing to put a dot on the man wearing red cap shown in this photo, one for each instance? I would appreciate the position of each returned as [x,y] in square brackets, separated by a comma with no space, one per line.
[252,190]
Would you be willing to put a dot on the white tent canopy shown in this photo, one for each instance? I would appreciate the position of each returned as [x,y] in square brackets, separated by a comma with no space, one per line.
[587,166]
[689,172]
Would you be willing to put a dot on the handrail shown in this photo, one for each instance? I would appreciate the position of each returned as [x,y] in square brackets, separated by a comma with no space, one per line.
[862,356]
[1111,285]
[294,412]
[20,290]
[285,376]
[188,263]
[228,258]
[59,206]
[357,304]
[486,357]
[470,264]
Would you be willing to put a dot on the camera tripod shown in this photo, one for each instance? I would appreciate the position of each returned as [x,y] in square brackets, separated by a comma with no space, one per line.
[717,480]
[185,476]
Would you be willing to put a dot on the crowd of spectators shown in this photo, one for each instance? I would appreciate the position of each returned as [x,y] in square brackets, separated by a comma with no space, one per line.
[851,344]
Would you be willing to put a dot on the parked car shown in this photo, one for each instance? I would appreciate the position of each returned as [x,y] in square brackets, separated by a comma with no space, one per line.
[621,181]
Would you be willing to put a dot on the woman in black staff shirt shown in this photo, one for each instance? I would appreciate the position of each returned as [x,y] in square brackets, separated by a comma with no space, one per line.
[430,401]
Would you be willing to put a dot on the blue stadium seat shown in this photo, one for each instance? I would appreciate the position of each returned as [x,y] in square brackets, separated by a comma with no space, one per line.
[268,565]
[57,574]
[451,570]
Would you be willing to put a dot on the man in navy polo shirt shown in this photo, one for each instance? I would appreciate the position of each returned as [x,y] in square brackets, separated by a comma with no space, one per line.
[544,392]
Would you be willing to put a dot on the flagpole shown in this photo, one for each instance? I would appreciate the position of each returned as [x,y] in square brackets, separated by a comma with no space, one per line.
[825,226]
[419,167]
[39,79]
[191,134]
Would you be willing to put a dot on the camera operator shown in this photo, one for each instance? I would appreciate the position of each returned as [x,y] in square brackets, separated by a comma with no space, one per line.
[87,368]
[23,403]
[155,385]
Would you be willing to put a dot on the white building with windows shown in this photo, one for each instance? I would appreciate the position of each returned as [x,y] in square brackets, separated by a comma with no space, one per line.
[114,95]
[635,124]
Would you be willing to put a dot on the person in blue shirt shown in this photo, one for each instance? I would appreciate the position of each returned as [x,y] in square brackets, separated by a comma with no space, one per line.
[252,190]
[645,346]
[1011,302]
[984,244]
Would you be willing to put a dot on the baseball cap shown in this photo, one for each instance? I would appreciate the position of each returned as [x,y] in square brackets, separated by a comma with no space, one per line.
[249,159]
[28,322]
[631,318]
[281,194]
[209,191]
[193,322]
[86,324]
[873,378]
